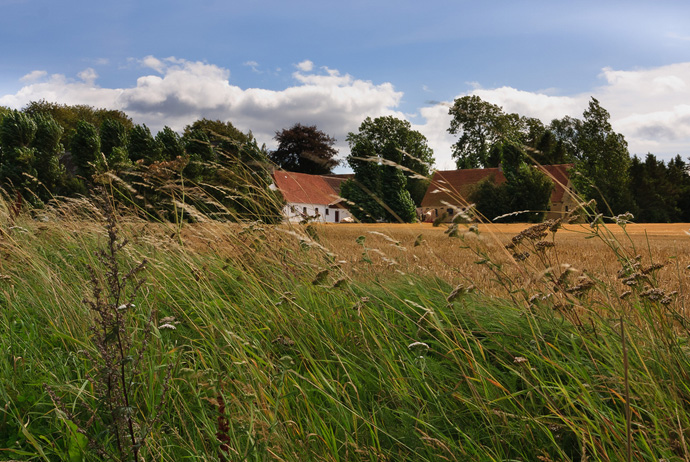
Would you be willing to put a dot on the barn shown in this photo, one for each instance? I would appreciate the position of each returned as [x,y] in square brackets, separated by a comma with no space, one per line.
[315,197]
[449,190]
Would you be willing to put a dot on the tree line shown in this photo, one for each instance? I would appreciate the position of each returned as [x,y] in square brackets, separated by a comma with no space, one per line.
[48,150]
[603,170]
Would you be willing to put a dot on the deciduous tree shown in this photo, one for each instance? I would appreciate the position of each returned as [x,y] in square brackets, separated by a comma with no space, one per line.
[48,150]
[141,145]
[480,126]
[85,148]
[384,154]
[305,149]
[526,189]
[17,132]
[170,143]
[602,161]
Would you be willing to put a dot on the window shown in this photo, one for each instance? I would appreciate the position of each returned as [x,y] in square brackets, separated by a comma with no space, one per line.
[316,211]
[450,211]
[304,210]
[566,208]
[327,210]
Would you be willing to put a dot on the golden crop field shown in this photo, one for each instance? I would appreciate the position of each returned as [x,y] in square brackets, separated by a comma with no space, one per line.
[391,247]
[380,251]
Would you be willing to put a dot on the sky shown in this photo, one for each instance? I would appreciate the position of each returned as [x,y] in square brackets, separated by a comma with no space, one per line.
[265,65]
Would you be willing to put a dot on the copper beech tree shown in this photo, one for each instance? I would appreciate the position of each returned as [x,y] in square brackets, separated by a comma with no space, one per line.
[305,149]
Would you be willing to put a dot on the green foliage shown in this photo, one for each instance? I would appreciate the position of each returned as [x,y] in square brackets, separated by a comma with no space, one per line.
[113,135]
[85,149]
[200,151]
[3,111]
[17,130]
[491,200]
[18,156]
[266,363]
[525,189]
[603,162]
[48,148]
[69,116]
[142,146]
[661,192]
[600,155]
[399,204]
[480,125]
[364,204]
[384,154]
[170,143]
[208,138]
[530,190]
[482,129]
[304,149]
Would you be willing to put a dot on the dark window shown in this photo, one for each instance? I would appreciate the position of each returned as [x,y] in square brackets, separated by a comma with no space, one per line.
[327,210]
[304,210]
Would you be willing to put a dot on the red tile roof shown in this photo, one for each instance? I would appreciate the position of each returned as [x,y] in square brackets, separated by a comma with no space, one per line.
[455,186]
[308,189]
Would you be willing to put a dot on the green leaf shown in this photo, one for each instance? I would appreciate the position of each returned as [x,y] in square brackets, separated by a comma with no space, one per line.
[76,442]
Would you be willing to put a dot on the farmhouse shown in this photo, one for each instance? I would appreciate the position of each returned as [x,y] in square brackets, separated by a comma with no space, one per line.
[311,196]
[450,190]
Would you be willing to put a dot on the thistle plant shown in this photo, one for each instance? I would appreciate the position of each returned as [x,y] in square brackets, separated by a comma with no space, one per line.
[114,424]
[111,302]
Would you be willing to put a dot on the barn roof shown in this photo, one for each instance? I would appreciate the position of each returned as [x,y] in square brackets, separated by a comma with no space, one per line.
[455,186]
[308,189]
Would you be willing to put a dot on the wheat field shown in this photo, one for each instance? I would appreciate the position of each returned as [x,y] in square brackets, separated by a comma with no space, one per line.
[392,248]
[365,251]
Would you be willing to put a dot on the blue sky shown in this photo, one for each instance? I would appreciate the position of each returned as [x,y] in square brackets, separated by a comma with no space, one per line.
[265,65]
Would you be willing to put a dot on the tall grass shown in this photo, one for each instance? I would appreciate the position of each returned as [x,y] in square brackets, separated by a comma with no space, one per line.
[282,347]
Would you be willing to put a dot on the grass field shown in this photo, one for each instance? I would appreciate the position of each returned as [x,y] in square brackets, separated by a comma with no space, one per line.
[341,342]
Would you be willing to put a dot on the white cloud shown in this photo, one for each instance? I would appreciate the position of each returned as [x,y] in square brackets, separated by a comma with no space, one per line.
[435,129]
[531,104]
[33,76]
[651,107]
[254,65]
[305,66]
[88,76]
[187,90]
[153,63]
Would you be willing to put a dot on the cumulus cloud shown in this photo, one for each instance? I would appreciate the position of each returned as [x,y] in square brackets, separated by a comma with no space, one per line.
[305,66]
[254,66]
[153,63]
[88,76]
[33,76]
[182,91]
[651,107]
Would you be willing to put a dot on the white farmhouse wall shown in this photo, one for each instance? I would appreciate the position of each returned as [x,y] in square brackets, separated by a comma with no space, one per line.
[296,212]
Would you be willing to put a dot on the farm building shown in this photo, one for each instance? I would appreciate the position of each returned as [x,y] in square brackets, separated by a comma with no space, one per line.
[311,196]
[449,190]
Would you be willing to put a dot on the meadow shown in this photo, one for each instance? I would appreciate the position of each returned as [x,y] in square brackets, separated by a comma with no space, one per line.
[130,340]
